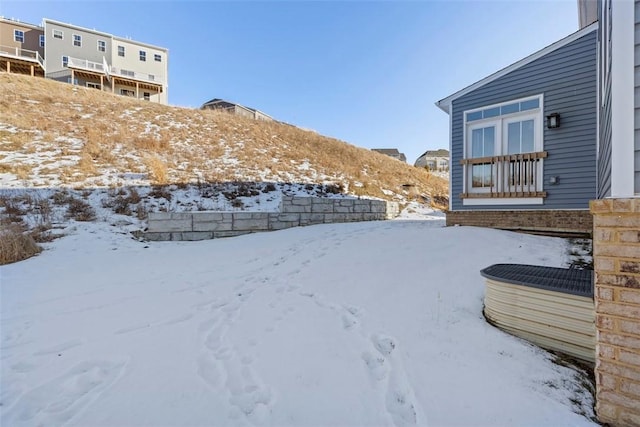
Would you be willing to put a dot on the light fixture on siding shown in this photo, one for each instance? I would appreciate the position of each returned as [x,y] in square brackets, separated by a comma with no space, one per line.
[553,121]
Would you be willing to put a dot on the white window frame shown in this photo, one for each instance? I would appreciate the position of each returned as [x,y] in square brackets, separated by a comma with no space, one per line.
[121,49]
[65,61]
[79,40]
[142,55]
[93,85]
[146,96]
[103,47]
[16,36]
[41,40]
[157,57]
[500,124]
[57,34]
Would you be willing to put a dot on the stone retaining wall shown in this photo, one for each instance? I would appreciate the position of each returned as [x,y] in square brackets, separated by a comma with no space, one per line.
[294,212]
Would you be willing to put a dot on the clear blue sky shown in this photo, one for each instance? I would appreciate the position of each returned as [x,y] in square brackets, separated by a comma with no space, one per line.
[364,72]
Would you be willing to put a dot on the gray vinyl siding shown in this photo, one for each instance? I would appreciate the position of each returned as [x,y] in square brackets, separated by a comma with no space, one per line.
[604,94]
[567,79]
[56,48]
[636,136]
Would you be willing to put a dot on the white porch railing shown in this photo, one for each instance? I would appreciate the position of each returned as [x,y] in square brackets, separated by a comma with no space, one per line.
[18,52]
[134,75]
[513,175]
[84,64]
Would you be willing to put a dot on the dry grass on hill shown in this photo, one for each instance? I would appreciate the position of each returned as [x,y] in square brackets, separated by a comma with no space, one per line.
[58,135]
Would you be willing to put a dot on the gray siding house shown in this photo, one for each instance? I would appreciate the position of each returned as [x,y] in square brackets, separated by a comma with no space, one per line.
[102,61]
[237,109]
[507,158]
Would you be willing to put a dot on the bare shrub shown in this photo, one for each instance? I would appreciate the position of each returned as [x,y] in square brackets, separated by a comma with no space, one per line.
[80,210]
[16,245]
[157,170]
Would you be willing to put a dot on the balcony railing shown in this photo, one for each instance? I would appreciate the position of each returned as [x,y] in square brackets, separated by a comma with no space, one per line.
[134,75]
[98,67]
[18,52]
[84,64]
[513,175]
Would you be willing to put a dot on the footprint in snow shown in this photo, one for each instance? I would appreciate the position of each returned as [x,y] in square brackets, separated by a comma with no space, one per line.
[58,401]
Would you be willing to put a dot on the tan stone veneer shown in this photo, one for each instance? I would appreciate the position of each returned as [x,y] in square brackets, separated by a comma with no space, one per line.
[616,250]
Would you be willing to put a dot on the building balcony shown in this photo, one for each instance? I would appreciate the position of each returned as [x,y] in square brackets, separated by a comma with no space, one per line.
[111,71]
[134,75]
[508,176]
[22,57]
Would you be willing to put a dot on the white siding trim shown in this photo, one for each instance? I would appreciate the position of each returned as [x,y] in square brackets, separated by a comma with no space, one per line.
[502,201]
[622,102]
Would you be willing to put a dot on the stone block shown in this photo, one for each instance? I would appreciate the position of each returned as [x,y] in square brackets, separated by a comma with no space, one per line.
[281,225]
[296,209]
[378,207]
[630,357]
[159,215]
[604,294]
[629,236]
[618,399]
[197,235]
[362,208]
[630,417]
[630,296]
[622,205]
[243,215]
[617,250]
[209,216]
[182,216]
[604,264]
[336,217]
[621,341]
[310,218]
[617,309]
[321,207]
[600,206]
[606,381]
[253,224]
[368,216]
[212,226]
[220,234]
[302,201]
[343,209]
[614,220]
[606,411]
[630,327]
[286,217]
[170,225]
[604,322]
[630,388]
[157,237]
[346,203]
[603,235]
[622,280]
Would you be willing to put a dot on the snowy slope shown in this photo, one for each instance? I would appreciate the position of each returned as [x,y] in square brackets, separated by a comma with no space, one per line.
[375,324]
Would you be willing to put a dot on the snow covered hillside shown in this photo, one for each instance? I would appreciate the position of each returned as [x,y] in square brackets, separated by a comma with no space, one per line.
[360,324]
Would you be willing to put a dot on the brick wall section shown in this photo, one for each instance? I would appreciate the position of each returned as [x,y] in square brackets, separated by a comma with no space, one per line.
[544,221]
[616,250]
[294,212]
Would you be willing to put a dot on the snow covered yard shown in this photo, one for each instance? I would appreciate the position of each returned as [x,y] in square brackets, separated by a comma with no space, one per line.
[360,324]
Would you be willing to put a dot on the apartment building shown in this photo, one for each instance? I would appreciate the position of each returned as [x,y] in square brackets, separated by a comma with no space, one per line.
[21,47]
[88,57]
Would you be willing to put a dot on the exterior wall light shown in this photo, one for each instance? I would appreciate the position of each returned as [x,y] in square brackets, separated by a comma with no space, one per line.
[553,121]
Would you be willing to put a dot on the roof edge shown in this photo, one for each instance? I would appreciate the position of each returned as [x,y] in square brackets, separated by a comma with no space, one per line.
[445,103]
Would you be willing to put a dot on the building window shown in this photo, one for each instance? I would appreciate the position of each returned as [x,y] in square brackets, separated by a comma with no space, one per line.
[77,40]
[57,34]
[143,55]
[146,96]
[127,92]
[102,46]
[18,35]
[152,77]
[504,149]
[94,85]
[121,51]
[41,38]
[65,61]
[157,57]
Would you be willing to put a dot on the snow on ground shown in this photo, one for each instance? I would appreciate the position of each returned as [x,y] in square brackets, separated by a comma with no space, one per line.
[360,324]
